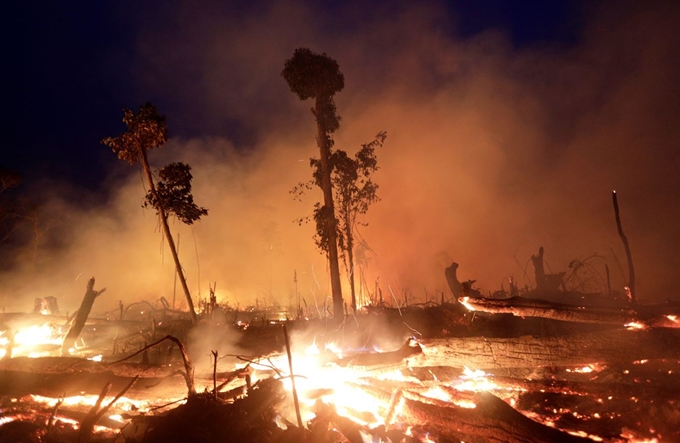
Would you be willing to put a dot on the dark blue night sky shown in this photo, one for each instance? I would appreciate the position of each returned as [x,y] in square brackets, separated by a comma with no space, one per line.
[68,78]
[509,124]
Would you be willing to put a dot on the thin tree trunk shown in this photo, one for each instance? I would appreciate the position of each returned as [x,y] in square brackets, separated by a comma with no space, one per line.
[325,151]
[624,239]
[350,258]
[168,236]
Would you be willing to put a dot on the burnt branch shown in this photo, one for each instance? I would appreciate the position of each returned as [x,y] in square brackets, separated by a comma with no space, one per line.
[188,366]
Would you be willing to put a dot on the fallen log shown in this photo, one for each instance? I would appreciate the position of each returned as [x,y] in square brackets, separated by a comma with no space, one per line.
[528,351]
[491,420]
[20,383]
[409,348]
[594,389]
[54,376]
[659,316]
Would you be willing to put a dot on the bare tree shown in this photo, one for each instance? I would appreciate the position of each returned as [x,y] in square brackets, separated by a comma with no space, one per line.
[317,76]
[172,195]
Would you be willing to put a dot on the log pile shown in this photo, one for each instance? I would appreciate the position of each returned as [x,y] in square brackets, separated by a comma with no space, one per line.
[611,383]
[616,385]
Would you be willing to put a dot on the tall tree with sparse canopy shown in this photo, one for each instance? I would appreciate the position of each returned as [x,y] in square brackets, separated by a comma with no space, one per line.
[355,191]
[317,76]
[172,193]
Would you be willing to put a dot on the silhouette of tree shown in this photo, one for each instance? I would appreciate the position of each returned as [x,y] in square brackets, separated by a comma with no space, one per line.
[355,191]
[146,130]
[317,76]
[173,193]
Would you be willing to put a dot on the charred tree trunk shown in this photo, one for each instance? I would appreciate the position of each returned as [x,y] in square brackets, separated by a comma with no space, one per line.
[491,420]
[81,317]
[539,270]
[645,316]
[452,280]
[629,257]
[324,142]
[350,258]
[529,351]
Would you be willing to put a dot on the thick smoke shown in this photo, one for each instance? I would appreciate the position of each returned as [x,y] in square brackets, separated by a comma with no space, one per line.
[492,152]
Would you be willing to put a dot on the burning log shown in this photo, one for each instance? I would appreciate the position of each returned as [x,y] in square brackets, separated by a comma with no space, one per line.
[55,375]
[81,317]
[529,351]
[491,419]
[370,395]
[596,389]
[410,348]
[326,415]
[662,316]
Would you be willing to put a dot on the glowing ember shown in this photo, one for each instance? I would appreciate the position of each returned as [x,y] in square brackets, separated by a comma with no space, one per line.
[635,325]
[594,367]
[630,436]
[122,404]
[586,435]
[32,341]
[464,301]
[383,395]
[476,381]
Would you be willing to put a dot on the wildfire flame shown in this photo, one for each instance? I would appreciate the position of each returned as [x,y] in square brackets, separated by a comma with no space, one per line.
[370,397]
[464,301]
[31,341]
[635,325]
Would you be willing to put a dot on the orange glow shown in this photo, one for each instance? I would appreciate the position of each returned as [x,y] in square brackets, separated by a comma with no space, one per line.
[32,341]
[464,301]
[635,325]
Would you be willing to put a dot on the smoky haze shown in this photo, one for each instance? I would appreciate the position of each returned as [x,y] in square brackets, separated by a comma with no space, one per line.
[492,151]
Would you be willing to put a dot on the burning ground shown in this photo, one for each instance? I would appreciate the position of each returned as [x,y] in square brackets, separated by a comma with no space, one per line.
[369,379]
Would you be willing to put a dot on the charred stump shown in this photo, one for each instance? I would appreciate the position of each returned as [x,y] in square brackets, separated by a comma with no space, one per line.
[81,317]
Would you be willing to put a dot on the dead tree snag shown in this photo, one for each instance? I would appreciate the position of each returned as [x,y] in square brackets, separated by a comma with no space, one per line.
[81,317]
